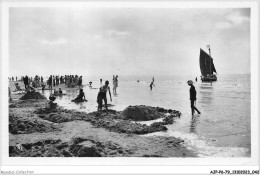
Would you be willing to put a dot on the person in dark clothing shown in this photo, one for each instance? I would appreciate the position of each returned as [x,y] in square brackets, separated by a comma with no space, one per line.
[60,91]
[102,95]
[50,82]
[53,79]
[80,97]
[193,98]
[80,81]
[41,79]
[26,82]
[151,85]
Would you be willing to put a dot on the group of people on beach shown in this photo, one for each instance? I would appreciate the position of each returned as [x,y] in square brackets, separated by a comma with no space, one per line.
[73,81]
[68,80]
[12,78]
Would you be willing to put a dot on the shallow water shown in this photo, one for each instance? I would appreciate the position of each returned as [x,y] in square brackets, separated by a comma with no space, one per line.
[223,128]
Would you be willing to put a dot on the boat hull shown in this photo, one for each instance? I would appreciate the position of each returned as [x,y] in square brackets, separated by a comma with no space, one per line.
[209,78]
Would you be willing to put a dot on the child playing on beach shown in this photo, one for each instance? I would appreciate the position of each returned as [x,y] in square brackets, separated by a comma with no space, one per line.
[50,104]
[80,97]
[60,91]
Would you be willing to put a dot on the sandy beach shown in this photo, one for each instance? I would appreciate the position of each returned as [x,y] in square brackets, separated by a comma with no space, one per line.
[37,132]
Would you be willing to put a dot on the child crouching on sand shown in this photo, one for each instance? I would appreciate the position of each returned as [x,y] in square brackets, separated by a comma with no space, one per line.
[81,97]
[50,104]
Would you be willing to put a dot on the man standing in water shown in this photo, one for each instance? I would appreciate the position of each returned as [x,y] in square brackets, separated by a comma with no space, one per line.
[192,97]
[151,86]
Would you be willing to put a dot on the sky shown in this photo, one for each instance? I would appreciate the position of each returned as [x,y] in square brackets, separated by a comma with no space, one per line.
[126,41]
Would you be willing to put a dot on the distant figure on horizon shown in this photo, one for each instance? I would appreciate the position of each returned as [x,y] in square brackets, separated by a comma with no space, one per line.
[101,81]
[115,83]
[151,86]
[193,98]
[80,81]
[102,95]
[196,79]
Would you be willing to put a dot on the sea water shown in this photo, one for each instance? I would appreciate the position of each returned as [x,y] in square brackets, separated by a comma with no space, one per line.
[221,130]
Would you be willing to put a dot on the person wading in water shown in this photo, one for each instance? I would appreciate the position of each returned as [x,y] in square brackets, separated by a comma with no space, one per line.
[192,97]
[103,96]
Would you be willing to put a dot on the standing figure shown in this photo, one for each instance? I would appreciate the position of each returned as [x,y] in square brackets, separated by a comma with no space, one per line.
[116,84]
[80,81]
[193,98]
[57,80]
[102,95]
[26,82]
[100,81]
[50,82]
[53,79]
[151,85]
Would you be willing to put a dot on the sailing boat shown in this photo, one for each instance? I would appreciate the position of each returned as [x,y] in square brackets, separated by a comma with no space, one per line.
[207,67]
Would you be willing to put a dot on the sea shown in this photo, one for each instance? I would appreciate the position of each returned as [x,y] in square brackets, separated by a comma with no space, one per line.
[223,129]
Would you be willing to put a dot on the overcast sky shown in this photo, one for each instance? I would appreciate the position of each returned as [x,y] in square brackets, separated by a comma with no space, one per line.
[127,41]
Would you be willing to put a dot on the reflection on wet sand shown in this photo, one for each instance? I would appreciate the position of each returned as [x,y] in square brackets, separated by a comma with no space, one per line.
[193,123]
[206,94]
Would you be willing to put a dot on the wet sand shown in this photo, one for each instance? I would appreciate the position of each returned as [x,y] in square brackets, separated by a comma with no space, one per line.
[37,132]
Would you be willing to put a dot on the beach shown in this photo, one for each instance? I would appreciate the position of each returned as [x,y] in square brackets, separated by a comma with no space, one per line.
[35,132]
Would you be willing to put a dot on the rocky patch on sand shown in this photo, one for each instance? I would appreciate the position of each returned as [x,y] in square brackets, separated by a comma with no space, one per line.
[58,115]
[77,147]
[146,113]
[28,103]
[140,113]
[32,95]
[23,125]
[126,126]
[113,121]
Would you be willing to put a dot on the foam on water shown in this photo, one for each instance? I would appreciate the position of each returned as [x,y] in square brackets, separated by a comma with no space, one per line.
[202,146]
[151,121]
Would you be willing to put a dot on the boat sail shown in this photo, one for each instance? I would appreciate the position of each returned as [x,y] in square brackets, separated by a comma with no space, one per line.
[207,67]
